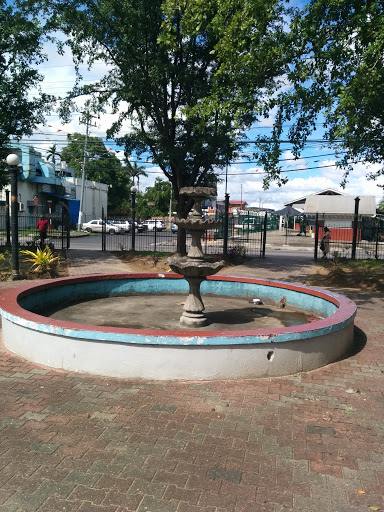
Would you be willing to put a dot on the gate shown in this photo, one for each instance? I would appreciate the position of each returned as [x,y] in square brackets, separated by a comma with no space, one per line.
[58,233]
[246,236]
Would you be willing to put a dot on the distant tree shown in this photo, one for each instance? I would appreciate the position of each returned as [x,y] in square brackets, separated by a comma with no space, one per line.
[21,48]
[380,206]
[155,201]
[52,154]
[135,172]
[101,166]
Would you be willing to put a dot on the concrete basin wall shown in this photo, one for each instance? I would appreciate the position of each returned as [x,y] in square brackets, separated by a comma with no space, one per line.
[174,355]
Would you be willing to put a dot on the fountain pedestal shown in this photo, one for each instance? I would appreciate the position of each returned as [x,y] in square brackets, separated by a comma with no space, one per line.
[194,267]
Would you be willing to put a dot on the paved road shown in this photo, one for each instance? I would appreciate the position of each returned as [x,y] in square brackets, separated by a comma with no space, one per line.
[114,242]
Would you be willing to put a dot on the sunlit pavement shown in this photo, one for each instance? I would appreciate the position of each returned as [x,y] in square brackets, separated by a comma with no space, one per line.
[308,442]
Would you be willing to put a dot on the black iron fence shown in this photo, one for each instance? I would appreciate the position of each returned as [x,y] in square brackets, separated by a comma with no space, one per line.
[58,233]
[354,238]
[246,236]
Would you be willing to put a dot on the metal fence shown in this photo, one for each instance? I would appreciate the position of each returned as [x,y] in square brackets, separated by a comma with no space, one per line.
[246,235]
[355,238]
[58,234]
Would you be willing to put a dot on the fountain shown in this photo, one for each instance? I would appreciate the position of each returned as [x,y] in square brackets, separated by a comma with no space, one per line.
[191,352]
[193,267]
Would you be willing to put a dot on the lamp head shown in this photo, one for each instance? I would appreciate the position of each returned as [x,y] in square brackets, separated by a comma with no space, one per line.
[13,160]
[133,189]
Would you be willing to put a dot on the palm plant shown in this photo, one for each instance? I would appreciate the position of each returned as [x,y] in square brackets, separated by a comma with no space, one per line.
[52,153]
[135,171]
[43,260]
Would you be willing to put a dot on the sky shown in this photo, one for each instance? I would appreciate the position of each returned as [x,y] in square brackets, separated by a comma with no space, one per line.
[314,172]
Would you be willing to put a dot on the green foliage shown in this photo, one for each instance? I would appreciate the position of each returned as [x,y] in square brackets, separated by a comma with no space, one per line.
[43,261]
[190,77]
[337,72]
[236,254]
[52,154]
[21,38]
[135,171]
[158,198]
[5,258]
[101,166]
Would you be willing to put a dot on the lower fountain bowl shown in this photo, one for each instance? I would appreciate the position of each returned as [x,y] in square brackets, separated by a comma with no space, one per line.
[175,355]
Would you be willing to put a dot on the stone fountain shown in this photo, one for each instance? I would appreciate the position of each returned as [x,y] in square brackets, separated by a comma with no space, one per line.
[193,267]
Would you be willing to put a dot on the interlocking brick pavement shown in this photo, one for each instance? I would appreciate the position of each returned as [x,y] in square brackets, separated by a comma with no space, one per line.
[307,442]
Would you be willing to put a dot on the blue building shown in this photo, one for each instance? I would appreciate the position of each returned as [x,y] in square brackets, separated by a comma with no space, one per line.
[41,189]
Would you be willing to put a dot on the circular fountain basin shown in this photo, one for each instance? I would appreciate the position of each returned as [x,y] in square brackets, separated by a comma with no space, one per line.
[177,354]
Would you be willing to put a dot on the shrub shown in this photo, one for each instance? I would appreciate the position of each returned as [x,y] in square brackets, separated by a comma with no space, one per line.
[43,261]
[236,254]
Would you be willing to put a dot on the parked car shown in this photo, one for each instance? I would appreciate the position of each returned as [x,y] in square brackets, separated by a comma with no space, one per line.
[96,226]
[153,224]
[125,224]
[174,228]
[140,227]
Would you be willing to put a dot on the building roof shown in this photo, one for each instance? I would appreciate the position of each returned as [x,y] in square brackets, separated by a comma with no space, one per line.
[339,205]
[325,192]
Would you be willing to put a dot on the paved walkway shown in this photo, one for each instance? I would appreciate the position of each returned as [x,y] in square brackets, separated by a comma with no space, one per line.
[287,266]
[307,442]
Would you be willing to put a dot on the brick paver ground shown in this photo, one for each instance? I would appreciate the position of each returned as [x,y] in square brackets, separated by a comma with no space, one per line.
[308,442]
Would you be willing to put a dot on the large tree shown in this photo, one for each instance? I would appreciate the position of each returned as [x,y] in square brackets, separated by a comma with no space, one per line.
[21,39]
[190,77]
[337,75]
[101,166]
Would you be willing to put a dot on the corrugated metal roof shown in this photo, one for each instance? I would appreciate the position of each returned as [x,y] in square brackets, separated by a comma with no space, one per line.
[325,192]
[340,205]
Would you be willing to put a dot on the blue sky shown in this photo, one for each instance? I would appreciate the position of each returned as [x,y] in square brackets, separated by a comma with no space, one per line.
[313,172]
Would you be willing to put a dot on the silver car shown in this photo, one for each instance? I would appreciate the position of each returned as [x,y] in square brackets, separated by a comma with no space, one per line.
[96,226]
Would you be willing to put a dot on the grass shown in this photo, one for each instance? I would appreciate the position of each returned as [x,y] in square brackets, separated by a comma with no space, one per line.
[342,273]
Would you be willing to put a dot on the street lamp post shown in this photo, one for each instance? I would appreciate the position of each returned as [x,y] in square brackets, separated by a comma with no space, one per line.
[133,209]
[13,162]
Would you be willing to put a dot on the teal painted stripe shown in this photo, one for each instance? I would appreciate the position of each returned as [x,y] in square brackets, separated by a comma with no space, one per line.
[38,301]
[174,340]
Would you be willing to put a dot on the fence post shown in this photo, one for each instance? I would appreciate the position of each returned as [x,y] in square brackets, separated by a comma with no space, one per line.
[7,218]
[103,229]
[68,229]
[63,226]
[355,226]
[316,235]
[225,237]
[264,237]
[377,240]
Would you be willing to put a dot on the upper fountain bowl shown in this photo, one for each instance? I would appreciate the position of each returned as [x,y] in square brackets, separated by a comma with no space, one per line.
[197,224]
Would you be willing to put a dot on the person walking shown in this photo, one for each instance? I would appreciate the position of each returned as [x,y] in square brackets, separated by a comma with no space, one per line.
[42,226]
[324,246]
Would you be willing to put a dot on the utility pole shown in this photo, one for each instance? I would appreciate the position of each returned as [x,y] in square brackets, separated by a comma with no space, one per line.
[86,120]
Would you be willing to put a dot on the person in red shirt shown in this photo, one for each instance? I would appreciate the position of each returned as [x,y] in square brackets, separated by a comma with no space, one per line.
[42,226]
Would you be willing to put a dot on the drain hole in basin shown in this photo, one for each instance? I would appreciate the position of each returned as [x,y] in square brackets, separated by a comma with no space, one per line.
[270,355]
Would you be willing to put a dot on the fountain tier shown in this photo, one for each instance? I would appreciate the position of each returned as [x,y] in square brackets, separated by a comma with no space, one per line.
[193,267]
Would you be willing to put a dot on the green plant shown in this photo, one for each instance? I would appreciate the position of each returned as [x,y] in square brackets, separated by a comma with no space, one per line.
[5,257]
[43,260]
[236,254]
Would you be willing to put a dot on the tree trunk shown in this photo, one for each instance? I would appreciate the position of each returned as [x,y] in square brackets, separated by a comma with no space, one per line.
[184,205]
